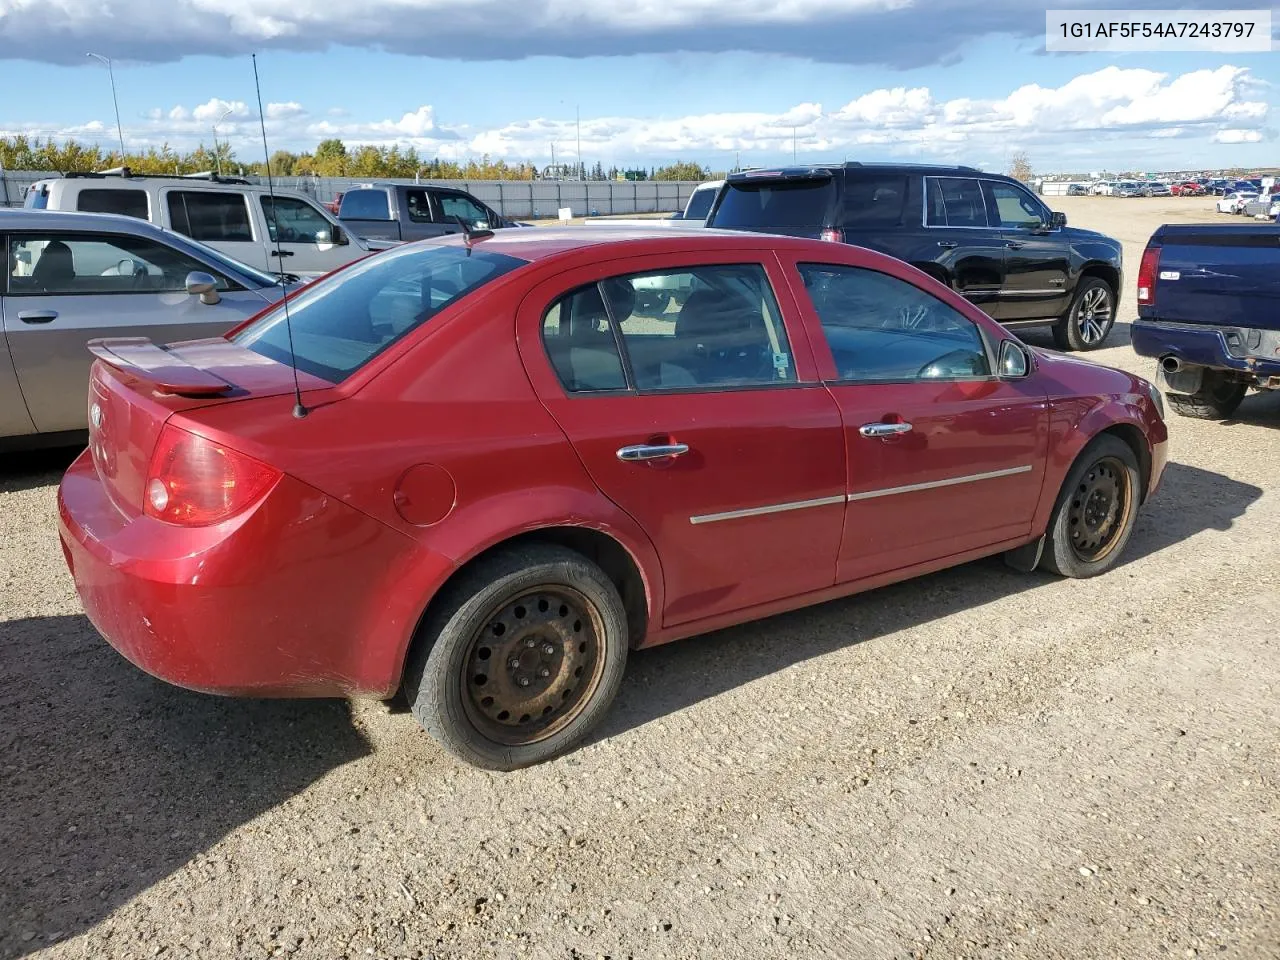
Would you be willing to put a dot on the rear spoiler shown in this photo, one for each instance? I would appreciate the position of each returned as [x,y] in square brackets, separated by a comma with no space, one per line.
[139,357]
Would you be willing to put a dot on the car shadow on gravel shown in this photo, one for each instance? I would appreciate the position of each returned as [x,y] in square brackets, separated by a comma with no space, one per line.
[111,780]
[28,469]
[670,678]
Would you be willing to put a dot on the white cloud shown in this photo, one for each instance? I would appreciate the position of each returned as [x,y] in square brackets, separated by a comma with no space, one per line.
[1089,116]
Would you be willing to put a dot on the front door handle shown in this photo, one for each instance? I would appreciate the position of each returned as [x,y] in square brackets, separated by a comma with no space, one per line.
[884,429]
[1015,244]
[651,451]
[282,253]
[38,316]
[948,244]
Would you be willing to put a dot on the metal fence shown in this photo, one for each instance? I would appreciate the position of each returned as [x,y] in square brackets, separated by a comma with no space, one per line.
[529,199]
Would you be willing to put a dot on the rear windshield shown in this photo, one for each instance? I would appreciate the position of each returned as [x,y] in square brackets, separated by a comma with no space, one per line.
[343,322]
[761,205]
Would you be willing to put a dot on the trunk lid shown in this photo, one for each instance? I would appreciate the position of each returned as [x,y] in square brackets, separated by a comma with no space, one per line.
[136,386]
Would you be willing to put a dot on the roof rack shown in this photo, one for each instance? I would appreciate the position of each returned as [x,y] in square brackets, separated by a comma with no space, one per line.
[126,173]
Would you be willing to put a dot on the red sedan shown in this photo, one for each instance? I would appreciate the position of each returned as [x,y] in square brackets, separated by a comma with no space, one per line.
[1188,188]
[502,476]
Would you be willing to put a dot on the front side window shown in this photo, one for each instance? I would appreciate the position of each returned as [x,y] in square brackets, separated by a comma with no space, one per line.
[954,202]
[1016,208]
[344,321]
[707,326]
[208,215]
[454,207]
[128,203]
[882,329]
[290,220]
[62,264]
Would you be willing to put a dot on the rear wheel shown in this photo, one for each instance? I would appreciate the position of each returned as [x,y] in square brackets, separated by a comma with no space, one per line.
[1096,510]
[1217,398]
[1089,319]
[521,659]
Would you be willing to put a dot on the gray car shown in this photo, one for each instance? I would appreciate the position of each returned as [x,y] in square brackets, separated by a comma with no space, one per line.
[71,277]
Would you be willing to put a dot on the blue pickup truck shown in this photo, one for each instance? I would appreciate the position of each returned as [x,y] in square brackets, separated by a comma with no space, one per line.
[1209,312]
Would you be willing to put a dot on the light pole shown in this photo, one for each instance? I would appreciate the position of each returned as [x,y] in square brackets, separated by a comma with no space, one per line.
[577,115]
[217,159]
[114,102]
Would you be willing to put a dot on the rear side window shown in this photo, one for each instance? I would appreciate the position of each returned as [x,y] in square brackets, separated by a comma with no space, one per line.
[365,205]
[711,327]
[954,202]
[880,328]
[129,203]
[419,205]
[700,203]
[209,216]
[343,322]
[874,201]
[763,205]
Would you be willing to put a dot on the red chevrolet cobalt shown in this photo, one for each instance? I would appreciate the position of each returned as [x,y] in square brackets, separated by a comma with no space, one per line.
[519,456]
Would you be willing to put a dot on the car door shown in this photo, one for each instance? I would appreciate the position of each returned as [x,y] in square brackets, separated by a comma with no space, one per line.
[223,220]
[944,458]
[709,427]
[302,235]
[66,288]
[968,248]
[1037,259]
[367,213]
[421,216]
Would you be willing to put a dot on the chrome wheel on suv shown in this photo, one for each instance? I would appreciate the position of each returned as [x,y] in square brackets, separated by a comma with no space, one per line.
[1088,322]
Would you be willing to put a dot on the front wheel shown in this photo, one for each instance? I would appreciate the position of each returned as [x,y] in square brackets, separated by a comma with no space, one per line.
[521,658]
[1090,317]
[1217,398]
[1095,512]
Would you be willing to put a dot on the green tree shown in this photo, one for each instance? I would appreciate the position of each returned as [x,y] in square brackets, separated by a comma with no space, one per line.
[681,170]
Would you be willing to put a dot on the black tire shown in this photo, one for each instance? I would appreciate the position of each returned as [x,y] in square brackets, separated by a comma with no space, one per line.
[1090,318]
[1067,548]
[1217,398]
[440,685]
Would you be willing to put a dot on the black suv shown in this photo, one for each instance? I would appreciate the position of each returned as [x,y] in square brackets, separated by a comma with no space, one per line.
[984,235]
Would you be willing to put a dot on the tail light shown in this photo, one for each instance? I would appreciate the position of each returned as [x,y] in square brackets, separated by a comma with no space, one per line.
[833,235]
[1147,276]
[194,482]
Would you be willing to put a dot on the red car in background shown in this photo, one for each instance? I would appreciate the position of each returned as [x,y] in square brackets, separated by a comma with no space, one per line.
[1188,188]
[501,477]
[335,203]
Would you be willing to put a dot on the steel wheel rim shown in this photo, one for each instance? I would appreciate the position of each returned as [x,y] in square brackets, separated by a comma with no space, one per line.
[1098,513]
[1093,316]
[534,665]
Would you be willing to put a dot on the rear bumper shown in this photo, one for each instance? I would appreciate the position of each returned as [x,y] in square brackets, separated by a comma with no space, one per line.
[301,596]
[1195,345]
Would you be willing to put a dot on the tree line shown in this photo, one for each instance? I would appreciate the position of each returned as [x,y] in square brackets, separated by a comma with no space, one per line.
[331,158]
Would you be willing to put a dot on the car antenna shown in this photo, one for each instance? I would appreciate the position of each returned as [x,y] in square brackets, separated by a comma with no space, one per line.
[299,410]
[470,236]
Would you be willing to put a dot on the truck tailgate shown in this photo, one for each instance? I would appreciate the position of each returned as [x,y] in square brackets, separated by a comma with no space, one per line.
[1220,276]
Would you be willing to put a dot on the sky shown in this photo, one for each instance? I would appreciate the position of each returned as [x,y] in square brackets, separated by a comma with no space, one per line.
[634,82]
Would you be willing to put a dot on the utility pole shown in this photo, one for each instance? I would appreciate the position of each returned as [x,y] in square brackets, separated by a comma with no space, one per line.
[116,103]
[577,113]
[217,158]
[793,144]
[554,171]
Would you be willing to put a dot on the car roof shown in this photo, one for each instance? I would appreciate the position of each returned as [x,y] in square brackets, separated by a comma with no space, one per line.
[23,218]
[541,243]
[853,166]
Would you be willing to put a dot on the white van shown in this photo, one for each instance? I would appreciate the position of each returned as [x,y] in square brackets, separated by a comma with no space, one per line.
[229,214]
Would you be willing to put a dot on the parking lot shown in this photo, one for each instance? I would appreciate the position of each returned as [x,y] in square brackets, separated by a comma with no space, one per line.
[975,764]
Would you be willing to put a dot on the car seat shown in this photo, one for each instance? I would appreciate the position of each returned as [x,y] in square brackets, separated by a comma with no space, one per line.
[725,338]
[55,268]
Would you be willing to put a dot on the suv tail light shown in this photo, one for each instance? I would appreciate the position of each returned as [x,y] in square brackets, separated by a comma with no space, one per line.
[833,234]
[1147,270]
[194,482]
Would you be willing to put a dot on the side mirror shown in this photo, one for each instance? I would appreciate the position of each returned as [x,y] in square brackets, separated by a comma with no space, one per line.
[1014,361]
[204,286]
[338,236]
[1057,220]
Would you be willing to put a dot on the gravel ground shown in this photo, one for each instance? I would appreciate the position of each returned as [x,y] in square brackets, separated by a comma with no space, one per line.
[974,764]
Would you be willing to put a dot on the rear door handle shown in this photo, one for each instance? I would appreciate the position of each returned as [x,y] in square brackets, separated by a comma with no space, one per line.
[38,316]
[884,429]
[1014,244]
[282,253]
[651,451]
[948,244]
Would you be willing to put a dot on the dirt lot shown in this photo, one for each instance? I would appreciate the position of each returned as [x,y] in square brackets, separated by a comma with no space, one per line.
[977,764]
